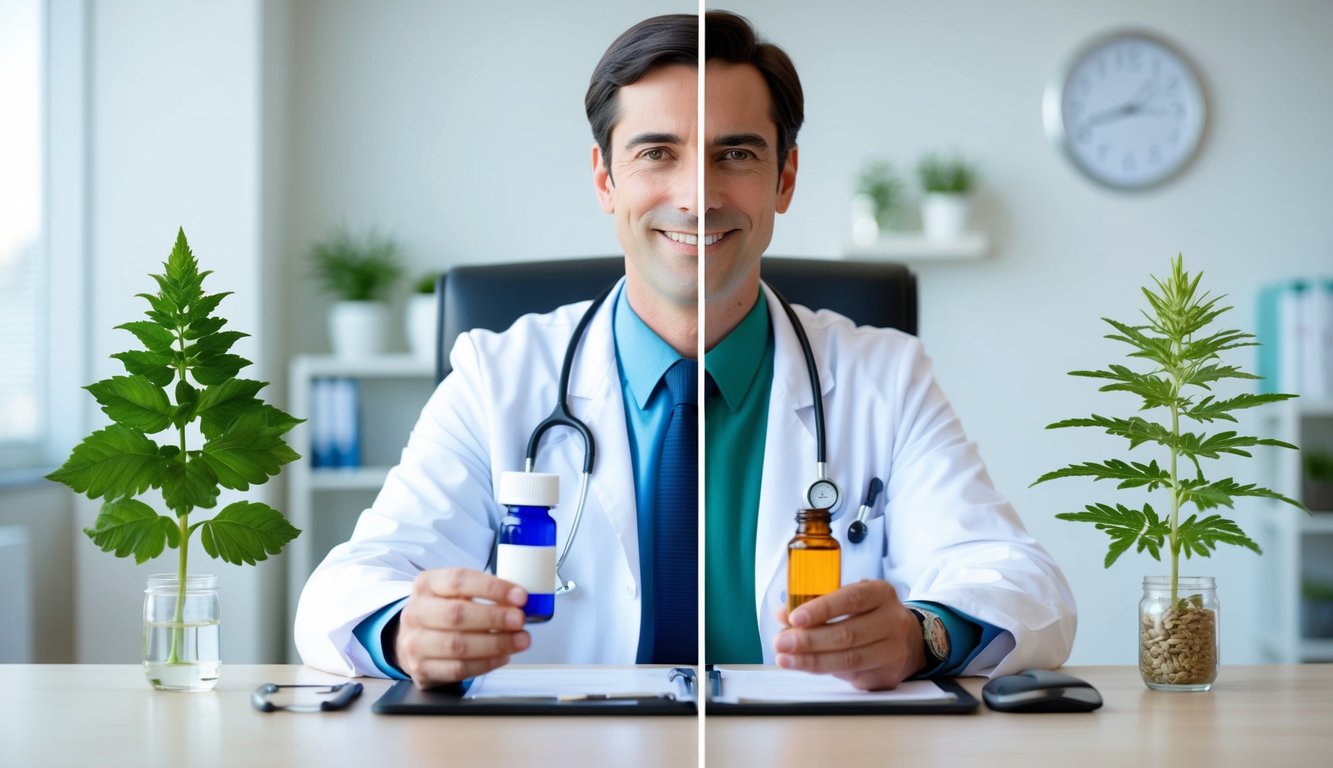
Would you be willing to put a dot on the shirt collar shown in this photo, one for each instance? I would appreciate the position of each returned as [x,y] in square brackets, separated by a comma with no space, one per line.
[734,362]
[644,356]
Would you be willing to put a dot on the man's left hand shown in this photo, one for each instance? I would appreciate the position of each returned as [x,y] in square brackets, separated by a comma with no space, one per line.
[875,647]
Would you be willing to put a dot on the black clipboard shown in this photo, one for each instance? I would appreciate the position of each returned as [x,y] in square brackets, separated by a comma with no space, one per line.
[404,698]
[962,703]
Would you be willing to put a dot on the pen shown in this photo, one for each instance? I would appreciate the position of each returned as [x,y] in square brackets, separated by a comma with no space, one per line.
[635,696]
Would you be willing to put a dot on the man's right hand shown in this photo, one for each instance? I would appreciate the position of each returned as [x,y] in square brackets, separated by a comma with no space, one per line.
[445,635]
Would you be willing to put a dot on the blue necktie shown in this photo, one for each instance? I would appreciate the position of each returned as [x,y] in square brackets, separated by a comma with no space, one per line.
[675,629]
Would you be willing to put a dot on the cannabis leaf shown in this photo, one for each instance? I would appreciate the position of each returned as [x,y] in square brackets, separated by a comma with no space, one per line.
[183,343]
[1185,361]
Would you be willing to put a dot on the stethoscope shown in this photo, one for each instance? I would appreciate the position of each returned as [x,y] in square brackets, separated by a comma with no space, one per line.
[822,493]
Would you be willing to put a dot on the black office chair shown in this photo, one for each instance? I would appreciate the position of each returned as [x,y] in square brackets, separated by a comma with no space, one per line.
[493,296]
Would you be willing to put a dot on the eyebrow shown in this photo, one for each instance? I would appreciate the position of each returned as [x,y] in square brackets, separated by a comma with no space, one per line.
[652,138]
[742,140]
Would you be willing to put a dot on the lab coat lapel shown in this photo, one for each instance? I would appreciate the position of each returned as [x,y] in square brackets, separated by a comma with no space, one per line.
[596,398]
[789,453]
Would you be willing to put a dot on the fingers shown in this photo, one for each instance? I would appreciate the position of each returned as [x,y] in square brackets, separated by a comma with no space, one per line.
[436,672]
[852,632]
[466,582]
[861,597]
[433,612]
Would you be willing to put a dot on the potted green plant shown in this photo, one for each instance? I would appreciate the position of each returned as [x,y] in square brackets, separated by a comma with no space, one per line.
[423,317]
[1317,485]
[876,204]
[360,272]
[947,182]
[184,377]
[1178,615]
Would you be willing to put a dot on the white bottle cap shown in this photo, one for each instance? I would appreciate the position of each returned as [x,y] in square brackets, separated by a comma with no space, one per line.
[528,489]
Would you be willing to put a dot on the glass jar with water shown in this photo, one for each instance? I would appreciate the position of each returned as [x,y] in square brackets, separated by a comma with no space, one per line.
[180,632]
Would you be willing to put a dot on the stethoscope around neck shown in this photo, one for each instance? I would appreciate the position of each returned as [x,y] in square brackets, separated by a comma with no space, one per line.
[822,493]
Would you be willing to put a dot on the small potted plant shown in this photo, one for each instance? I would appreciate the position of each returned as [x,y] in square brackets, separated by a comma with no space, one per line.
[1178,615]
[360,272]
[184,384]
[876,204]
[1317,486]
[947,183]
[423,317]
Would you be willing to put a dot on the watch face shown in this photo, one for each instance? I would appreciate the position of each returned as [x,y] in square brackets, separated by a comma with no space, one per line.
[1129,111]
[823,494]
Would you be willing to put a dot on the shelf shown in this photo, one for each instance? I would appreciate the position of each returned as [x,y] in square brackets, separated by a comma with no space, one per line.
[349,479]
[1317,522]
[1316,649]
[402,366]
[916,247]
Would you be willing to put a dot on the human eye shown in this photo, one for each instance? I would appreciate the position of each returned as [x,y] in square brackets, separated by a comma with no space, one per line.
[654,154]
[736,154]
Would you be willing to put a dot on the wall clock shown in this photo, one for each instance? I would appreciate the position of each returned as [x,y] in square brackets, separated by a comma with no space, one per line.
[1128,110]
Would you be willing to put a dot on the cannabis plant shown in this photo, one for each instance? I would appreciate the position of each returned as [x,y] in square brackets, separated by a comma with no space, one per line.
[1184,363]
[243,441]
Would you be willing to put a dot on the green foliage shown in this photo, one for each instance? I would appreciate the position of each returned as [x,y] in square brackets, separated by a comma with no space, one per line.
[426,283]
[357,268]
[948,175]
[1318,466]
[1183,363]
[243,445]
[879,181]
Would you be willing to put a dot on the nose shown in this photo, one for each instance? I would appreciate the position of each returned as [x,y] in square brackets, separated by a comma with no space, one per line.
[685,188]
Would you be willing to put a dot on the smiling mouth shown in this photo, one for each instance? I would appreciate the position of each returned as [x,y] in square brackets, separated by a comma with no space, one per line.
[693,239]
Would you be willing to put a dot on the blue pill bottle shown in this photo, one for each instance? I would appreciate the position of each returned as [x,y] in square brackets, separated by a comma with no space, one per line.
[525,551]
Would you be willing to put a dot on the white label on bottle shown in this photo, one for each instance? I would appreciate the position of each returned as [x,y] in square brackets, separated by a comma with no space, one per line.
[532,568]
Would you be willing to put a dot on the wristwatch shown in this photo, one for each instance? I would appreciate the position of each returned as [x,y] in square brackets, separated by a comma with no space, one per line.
[935,635]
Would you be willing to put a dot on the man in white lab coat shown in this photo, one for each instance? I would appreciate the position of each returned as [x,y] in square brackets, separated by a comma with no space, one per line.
[408,595]
[946,581]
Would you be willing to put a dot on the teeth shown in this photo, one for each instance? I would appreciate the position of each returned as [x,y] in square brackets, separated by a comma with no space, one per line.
[681,237]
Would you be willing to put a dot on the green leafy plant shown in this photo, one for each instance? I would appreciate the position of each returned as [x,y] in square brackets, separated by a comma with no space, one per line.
[364,268]
[946,175]
[1184,362]
[243,441]
[1318,466]
[879,181]
[426,283]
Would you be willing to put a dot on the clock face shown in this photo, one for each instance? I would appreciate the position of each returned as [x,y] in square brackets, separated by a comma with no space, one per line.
[1129,111]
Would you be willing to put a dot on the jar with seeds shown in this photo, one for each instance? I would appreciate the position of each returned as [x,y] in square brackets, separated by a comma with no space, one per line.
[1178,633]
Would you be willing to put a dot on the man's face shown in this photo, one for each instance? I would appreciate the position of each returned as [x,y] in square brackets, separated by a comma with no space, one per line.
[743,190]
[652,187]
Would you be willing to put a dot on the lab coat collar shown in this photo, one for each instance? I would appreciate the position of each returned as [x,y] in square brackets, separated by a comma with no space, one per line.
[594,367]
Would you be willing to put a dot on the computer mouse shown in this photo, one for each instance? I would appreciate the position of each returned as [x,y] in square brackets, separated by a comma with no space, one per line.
[1040,690]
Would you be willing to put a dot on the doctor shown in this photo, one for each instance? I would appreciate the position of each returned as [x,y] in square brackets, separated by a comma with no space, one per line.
[407,596]
[946,581]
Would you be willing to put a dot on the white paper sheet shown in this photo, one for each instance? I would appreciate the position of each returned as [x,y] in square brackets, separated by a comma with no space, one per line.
[784,686]
[556,682]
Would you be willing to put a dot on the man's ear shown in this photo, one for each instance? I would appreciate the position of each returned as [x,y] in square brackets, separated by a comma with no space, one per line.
[602,182]
[787,181]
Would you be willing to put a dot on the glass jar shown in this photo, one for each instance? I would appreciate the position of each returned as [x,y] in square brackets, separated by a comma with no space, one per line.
[814,559]
[181,649]
[1178,639]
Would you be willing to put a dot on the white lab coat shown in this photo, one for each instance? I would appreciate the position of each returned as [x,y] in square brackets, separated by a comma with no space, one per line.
[940,531]
[438,505]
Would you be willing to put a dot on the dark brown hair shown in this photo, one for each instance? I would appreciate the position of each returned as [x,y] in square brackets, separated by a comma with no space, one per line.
[659,41]
[731,38]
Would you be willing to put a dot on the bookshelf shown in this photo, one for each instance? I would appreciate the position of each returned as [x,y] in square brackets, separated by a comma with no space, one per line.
[1298,547]
[326,502]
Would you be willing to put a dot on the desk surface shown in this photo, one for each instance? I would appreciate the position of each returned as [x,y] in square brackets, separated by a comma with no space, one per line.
[107,715]
[1265,716]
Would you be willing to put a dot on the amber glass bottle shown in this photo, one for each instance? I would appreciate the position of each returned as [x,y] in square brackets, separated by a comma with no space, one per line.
[814,560]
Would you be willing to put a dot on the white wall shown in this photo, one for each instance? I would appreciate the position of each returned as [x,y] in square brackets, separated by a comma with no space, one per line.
[458,128]
[175,141]
[896,79]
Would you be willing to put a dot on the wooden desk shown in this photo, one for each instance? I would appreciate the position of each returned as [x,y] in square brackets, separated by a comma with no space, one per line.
[108,715]
[1265,716]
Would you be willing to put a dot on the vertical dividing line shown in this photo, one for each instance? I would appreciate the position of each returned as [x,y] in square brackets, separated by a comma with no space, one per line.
[702,205]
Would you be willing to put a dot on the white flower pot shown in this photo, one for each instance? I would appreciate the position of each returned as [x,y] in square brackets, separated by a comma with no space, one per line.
[945,216]
[422,315]
[359,328]
[865,229]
